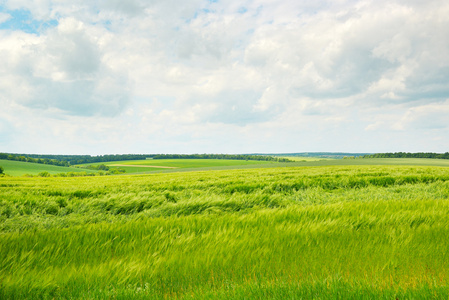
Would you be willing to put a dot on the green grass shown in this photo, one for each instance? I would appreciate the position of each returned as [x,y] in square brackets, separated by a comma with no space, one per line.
[374,161]
[16,168]
[187,165]
[305,158]
[19,168]
[167,165]
[193,163]
[335,232]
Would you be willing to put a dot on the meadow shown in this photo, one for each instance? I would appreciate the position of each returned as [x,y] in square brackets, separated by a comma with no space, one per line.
[19,168]
[158,165]
[325,232]
[187,165]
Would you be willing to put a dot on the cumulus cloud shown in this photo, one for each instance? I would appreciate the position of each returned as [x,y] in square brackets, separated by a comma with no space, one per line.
[233,67]
[63,69]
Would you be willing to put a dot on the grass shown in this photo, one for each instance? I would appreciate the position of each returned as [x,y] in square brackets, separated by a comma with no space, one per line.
[16,168]
[188,165]
[374,161]
[192,163]
[335,232]
[306,158]
[151,165]
[19,168]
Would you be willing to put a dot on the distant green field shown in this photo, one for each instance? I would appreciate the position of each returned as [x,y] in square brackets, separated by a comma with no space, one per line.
[19,168]
[152,165]
[184,165]
[377,161]
[305,158]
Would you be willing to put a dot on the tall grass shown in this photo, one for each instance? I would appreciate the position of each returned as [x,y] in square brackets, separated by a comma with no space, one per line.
[335,232]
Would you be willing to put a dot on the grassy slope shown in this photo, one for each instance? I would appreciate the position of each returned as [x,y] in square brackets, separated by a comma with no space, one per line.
[179,164]
[193,163]
[331,232]
[187,165]
[18,168]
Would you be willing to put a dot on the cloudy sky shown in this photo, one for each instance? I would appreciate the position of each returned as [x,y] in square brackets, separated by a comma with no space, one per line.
[216,76]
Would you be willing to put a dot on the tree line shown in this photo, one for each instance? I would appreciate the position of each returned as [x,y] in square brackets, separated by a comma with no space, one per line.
[68,160]
[27,158]
[409,155]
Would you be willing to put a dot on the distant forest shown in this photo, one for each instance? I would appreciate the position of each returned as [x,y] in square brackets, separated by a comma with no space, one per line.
[68,160]
[409,155]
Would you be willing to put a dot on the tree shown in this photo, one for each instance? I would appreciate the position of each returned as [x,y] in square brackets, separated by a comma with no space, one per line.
[1,170]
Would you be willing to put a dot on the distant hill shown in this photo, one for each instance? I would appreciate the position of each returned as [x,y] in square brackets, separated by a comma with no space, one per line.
[19,168]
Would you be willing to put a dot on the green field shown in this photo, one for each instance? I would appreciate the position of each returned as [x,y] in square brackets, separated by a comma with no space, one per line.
[187,165]
[19,168]
[371,161]
[332,232]
[305,158]
[167,165]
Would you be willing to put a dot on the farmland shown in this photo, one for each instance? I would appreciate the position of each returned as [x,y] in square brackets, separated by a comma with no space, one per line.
[19,168]
[187,165]
[156,165]
[343,231]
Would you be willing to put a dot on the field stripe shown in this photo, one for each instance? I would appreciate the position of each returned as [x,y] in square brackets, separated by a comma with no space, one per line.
[144,166]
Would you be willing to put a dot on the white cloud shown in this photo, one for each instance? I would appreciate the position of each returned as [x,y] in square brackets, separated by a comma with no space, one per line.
[63,69]
[4,17]
[432,116]
[203,70]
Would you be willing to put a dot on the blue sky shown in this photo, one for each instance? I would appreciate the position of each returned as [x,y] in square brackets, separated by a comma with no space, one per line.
[22,20]
[97,77]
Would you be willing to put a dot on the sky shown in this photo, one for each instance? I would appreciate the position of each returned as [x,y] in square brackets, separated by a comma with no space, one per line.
[214,76]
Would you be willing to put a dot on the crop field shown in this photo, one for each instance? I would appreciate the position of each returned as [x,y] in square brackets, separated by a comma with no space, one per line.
[372,161]
[19,168]
[336,232]
[153,165]
[306,158]
[187,165]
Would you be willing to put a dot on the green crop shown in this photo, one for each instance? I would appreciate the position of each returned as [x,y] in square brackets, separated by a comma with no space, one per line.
[167,165]
[336,232]
[19,168]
